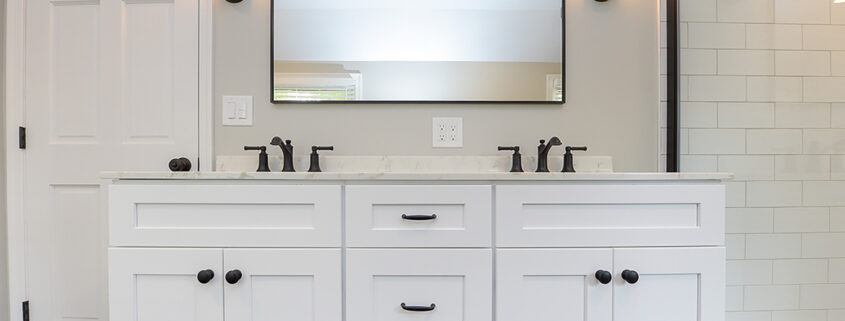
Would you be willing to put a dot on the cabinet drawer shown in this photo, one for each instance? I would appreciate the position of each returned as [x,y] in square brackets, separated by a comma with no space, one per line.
[610,215]
[225,215]
[452,285]
[419,216]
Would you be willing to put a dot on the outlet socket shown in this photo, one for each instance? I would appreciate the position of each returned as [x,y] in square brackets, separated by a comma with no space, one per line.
[447,132]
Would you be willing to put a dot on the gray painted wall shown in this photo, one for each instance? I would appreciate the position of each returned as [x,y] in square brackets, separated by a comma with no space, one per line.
[612,65]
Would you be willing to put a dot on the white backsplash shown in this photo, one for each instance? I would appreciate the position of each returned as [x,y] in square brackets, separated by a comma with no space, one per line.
[425,164]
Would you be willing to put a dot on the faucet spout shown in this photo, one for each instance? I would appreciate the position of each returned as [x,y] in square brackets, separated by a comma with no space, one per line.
[543,153]
[287,151]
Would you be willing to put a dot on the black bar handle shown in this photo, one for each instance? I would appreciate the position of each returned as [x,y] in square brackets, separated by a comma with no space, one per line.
[416,308]
[419,217]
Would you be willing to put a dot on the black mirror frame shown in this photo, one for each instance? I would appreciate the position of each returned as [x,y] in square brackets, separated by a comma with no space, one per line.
[673,90]
[515,102]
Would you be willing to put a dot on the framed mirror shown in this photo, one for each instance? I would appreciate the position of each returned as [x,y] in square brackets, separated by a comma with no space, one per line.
[395,51]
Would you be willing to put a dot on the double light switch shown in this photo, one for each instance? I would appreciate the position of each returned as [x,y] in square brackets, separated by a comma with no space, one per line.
[237,110]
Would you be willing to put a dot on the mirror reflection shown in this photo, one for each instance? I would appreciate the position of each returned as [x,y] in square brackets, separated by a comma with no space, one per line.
[418,51]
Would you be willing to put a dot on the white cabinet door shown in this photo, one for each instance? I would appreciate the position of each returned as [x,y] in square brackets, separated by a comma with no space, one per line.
[674,284]
[416,285]
[554,285]
[163,284]
[283,285]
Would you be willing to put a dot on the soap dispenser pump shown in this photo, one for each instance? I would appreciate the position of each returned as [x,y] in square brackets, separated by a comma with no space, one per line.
[263,165]
[568,166]
[516,163]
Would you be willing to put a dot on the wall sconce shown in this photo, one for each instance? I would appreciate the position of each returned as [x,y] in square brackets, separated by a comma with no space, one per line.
[234,1]
[838,1]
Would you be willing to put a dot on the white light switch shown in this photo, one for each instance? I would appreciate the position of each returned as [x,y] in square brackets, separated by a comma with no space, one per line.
[237,111]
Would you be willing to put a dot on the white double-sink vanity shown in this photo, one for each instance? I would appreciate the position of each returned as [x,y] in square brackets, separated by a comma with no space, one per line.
[434,246]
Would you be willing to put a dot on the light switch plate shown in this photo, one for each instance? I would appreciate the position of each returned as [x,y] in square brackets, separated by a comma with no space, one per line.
[237,111]
[447,132]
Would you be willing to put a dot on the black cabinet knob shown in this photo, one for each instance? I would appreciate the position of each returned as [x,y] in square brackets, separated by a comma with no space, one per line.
[604,277]
[233,276]
[180,164]
[630,276]
[205,276]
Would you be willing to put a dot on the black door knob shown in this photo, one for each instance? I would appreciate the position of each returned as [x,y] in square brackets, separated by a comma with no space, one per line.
[205,276]
[233,276]
[630,276]
[604,277]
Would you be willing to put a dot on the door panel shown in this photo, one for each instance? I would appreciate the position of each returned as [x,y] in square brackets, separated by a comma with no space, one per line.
[553,285]
[675,284]
[77,123]
[284,285]
[161,284]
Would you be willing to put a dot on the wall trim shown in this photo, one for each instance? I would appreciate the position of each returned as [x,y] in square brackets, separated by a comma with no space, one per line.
[206,86]
[15,158]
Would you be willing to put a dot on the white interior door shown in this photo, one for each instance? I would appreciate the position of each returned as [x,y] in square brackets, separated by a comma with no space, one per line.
[674,284]
[164,284]
[283,285]
[110,85]
[553,285]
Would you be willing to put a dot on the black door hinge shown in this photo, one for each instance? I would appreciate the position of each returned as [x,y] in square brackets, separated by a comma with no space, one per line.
[22,137]
[25,310]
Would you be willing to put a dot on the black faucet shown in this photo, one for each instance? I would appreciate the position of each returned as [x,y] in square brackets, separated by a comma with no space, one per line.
[543,153]
[263,163]
[516,160]
[315,158]
[568,163]
[287,150]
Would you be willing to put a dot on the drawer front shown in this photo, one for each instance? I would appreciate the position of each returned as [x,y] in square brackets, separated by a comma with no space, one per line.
[433,285]
[419,216]
[610,215]
[225,215]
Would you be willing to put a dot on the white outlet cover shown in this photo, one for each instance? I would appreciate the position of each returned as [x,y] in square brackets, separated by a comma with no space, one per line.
[447,132]
[237,111]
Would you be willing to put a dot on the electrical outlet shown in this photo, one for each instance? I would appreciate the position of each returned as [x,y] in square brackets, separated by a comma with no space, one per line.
[447,132]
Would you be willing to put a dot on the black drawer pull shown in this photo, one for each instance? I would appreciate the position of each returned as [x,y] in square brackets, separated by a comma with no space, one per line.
[417,308]
[419,217]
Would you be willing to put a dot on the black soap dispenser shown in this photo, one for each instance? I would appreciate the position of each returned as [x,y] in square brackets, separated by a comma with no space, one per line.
[263,165]
[568,166]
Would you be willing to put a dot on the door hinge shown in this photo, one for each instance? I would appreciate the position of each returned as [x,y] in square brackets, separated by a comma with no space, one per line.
[22,137]
[25,310]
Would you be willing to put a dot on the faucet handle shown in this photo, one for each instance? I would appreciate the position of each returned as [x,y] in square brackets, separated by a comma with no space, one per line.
[315,158]
[568,162]
[516,163]
[263,163]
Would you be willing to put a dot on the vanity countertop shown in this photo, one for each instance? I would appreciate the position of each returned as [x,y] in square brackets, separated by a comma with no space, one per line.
[417,176]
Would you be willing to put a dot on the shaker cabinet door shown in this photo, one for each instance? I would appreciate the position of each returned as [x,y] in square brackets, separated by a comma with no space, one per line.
[283,285]
[165,284]
[554,285]
[669,284]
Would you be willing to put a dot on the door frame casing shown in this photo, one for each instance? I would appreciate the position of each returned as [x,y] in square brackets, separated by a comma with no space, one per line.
[16,116]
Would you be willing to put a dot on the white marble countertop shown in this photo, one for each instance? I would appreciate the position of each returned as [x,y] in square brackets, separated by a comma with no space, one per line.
[417,176]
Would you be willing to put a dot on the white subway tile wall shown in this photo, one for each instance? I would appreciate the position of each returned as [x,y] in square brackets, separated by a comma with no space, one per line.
[763,96]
